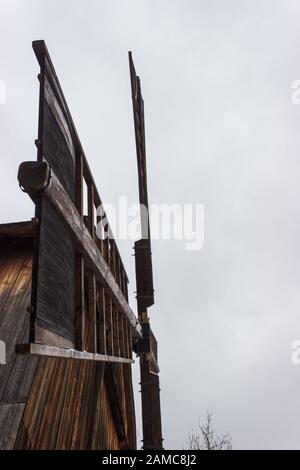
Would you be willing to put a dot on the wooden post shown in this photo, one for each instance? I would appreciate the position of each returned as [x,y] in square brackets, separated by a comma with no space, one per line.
[79,288]
[91,345]
[92,296]
[109,326]
[79,304]
[102,322]
[116,332]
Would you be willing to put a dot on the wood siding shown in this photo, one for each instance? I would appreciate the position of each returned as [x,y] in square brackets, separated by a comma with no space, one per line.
[54,403]
[17,374]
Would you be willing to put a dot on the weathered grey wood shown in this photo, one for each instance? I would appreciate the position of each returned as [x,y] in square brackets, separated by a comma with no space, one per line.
[51,351]
[79,185]
[60,200]
[56,150]
[55,302]
[92,310]
[116,331]
[120,327]
[80,323]
[10,416]
[67,124]
[109,326]
[15,288]
[22,371]
[45,336]
[91,221]
[102,349]
[34,175]
[19,229]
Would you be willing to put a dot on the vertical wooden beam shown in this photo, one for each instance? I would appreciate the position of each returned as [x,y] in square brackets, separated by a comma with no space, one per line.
[126,339]
[99,234]
[91,221]
[79,184]
[120,332]
[120,323]
[122,281]
[114,262]
[102,349]
[109,322]
[111,326]
[92,315]
[129,341]
[79,304]
[116,332]
[79,275]
[126,289]
[106,250]
[118,270]
[92,294]
[110,253]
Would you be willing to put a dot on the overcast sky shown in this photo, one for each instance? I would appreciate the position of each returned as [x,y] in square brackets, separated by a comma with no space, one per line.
[221,131]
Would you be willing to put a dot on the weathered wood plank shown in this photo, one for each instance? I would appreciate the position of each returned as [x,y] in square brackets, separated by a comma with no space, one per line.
[101,324]
[10,416]
[91,221]
[57,151]
[92,315]
[55,302]
[21,371]
[51,351]
[116,332]
[79,185]
[80,323]
[109,326]
[19,229]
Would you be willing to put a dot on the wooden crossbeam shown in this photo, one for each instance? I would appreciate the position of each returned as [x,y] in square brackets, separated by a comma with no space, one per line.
[19,229]
[52,351]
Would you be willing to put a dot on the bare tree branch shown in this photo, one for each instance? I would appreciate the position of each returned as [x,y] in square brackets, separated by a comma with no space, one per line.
[205,437]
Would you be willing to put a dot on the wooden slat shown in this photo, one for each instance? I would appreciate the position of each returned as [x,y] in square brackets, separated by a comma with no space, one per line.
[92,310]
[79,185]
[10,416]
[79,304]
[120,327]
[19,229]
[51,351]
[122,333]
[126,340]
[116,332]
[129,342]
[110,327]
[102,322]
[106,250]
[91,221]
[114,262]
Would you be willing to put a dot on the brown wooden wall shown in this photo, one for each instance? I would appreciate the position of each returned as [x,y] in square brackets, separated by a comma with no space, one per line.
[70,407]
[54,403]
